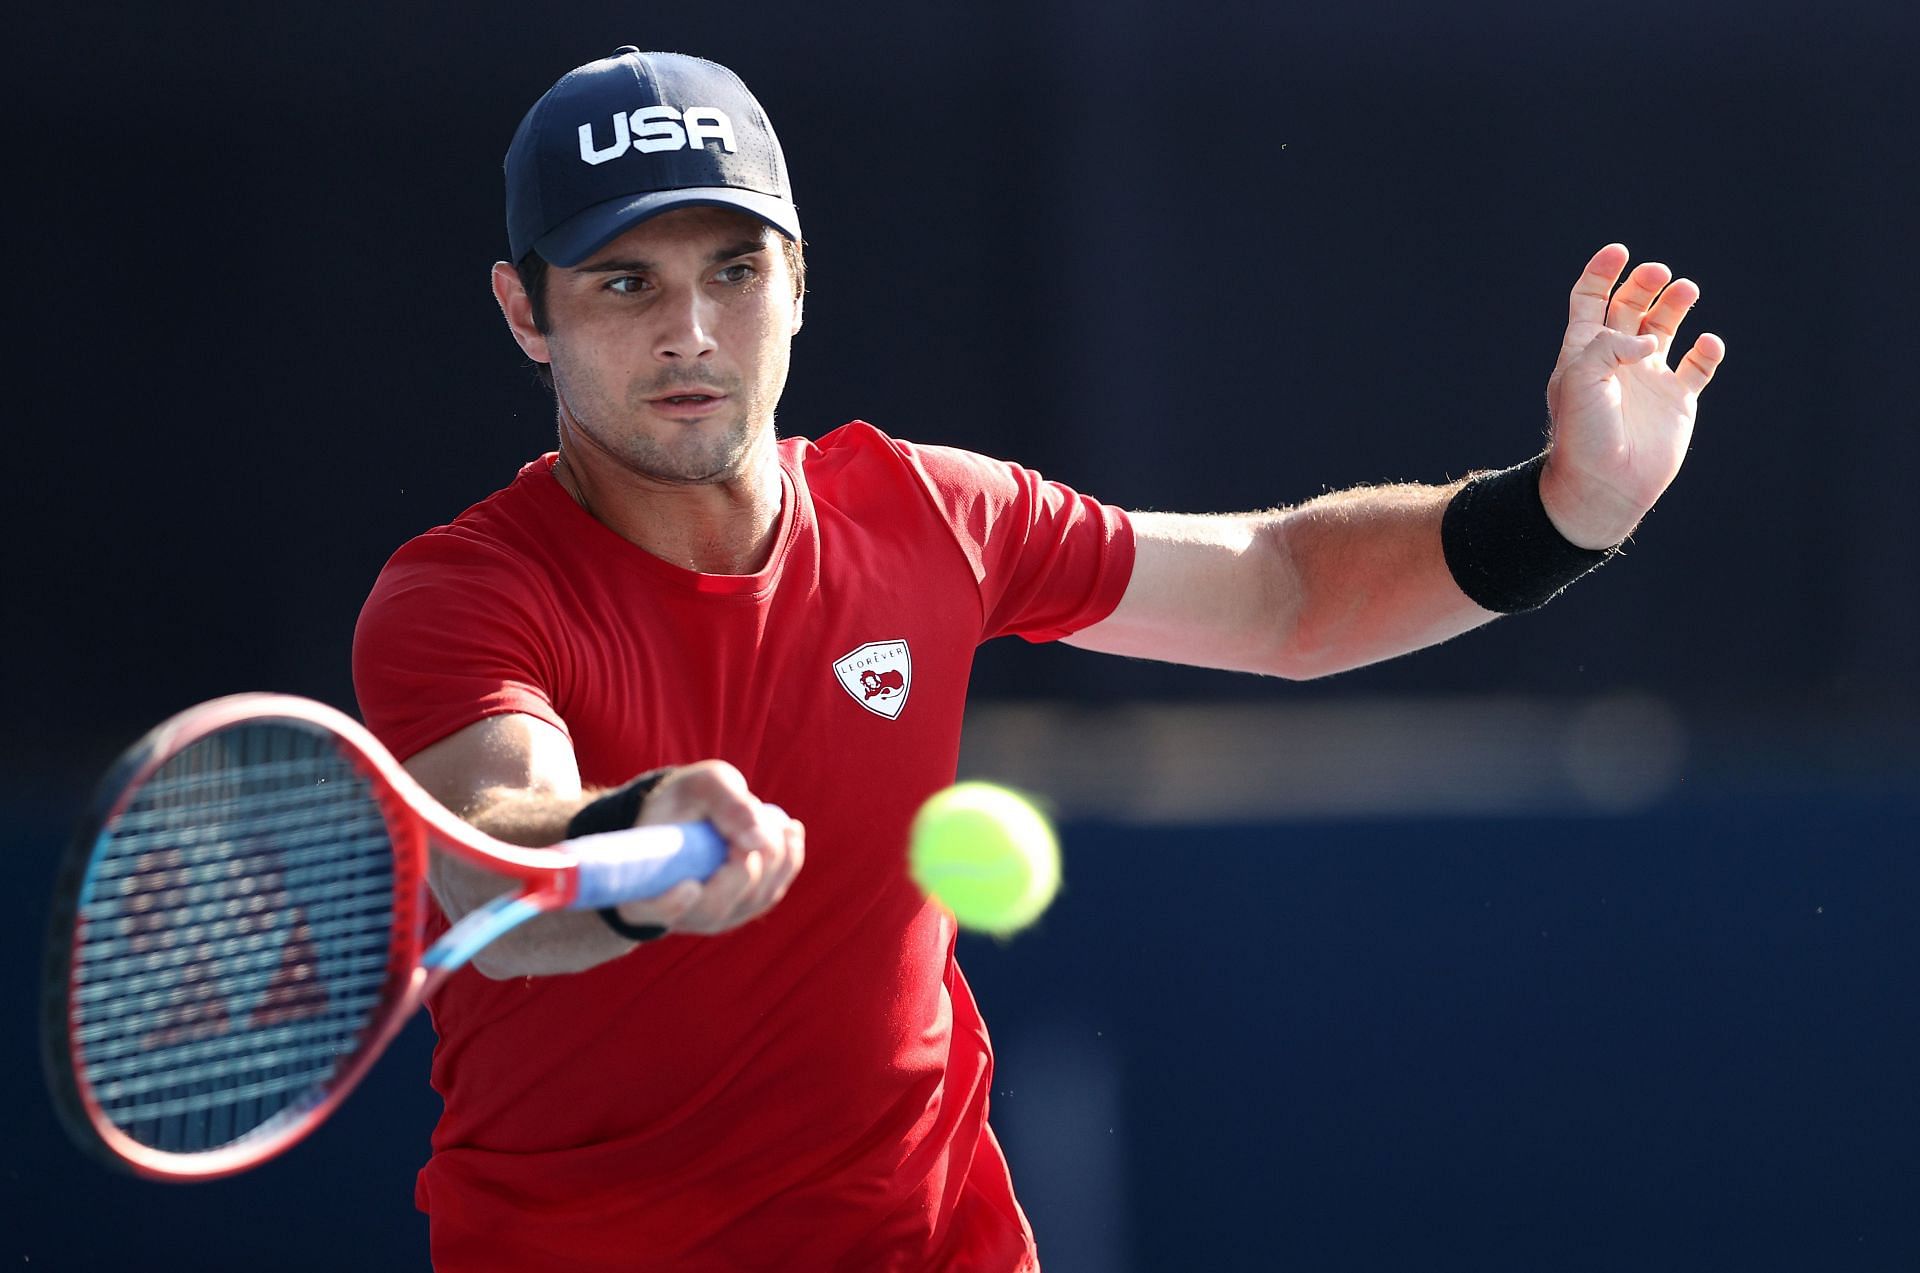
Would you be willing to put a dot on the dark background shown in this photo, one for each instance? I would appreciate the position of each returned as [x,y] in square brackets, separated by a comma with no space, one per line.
[1208,257]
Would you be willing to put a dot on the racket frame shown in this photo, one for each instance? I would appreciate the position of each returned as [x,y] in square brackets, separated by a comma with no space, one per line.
[415,820]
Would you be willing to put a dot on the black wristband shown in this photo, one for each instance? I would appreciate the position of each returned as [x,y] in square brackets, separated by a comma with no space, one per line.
[632,932]
[1503,549]
[616,811]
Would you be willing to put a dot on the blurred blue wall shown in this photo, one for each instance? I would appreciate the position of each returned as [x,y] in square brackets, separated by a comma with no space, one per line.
[1682,1040]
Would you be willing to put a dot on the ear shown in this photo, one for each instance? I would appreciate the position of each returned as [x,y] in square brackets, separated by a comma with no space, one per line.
[517,307]
[799,312]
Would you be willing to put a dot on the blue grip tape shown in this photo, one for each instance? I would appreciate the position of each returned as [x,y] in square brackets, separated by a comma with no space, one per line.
[622,866]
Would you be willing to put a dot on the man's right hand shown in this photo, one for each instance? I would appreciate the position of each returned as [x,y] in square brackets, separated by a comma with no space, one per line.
[515,777]
[765,850]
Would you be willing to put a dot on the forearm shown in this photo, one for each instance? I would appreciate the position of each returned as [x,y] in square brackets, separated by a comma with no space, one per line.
[1336,583]
[563,941]
[514,777]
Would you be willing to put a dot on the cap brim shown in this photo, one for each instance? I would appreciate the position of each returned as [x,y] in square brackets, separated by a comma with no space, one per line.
[582,234]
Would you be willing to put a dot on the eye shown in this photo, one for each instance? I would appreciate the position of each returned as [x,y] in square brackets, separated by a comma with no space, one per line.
[738,272]
[626,284]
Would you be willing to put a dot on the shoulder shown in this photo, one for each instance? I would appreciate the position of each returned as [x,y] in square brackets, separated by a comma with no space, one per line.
[458,627]
[491,547]
[857,457]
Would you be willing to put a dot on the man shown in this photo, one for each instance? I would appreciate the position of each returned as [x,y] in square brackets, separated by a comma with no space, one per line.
[782,1068]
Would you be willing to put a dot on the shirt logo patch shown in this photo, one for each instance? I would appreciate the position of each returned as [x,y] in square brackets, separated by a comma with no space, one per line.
[878,675]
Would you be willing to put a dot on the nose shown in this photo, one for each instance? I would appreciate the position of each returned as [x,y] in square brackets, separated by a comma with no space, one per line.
[686,331]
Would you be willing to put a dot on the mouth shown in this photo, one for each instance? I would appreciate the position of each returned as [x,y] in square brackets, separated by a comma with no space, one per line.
[690,402]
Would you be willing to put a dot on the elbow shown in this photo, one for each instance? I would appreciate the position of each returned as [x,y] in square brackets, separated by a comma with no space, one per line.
[525,953]
[1298,670]
[504,960]
[513,957]
[1322,614]
[1296,660]
[1323,638]
[1297,643]
[490,964]
[1313,640]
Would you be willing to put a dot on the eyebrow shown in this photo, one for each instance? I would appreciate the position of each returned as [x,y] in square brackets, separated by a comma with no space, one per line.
[634,265]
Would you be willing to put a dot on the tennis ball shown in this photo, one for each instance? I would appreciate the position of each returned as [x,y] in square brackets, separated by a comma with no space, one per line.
[986,854]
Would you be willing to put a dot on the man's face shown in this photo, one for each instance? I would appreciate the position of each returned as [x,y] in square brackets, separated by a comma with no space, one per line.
[669,346]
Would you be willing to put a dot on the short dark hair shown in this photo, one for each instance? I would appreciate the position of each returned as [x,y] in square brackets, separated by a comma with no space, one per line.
[533,270]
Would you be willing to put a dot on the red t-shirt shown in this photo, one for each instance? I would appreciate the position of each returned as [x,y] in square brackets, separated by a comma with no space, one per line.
[809,1091]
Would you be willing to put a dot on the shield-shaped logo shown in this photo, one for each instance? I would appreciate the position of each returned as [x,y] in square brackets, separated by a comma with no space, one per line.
[878,675]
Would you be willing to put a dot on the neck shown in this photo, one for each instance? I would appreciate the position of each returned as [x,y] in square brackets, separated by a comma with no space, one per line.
[717,528]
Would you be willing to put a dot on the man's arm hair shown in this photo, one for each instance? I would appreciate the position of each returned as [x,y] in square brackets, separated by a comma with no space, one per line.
[514,777]
[1341,581]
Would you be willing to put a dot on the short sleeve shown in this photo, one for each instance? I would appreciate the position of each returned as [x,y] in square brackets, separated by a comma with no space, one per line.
[451,634]
[1049,561]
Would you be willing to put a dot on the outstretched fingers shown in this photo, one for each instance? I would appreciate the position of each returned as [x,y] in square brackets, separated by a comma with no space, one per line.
[1588,304]
[1664,319]
[1632,303]
[1697,368]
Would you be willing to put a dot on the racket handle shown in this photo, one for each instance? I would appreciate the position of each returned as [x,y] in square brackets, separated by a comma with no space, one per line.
[620,866]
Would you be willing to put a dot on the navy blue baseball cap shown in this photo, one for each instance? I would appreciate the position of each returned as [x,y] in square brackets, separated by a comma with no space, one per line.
[631,136]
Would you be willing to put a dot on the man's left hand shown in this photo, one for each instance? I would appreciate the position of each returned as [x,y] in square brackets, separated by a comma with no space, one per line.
[1621,417]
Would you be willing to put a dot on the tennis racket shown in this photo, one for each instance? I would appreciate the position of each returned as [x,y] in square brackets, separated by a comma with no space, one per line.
[238,929]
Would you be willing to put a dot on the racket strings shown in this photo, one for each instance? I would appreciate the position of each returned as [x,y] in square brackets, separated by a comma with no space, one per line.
[135,967]
[235,938]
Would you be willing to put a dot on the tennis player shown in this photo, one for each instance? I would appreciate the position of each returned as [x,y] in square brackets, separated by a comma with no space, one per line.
[678,614]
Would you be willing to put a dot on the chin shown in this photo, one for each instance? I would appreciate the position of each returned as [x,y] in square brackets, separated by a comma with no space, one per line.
[703,465]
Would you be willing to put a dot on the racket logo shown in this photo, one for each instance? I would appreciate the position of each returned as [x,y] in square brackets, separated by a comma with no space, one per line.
[878,676]
[199,1008]
[295,993]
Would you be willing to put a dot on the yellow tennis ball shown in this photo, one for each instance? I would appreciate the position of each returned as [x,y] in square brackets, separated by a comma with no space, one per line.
[986,854]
